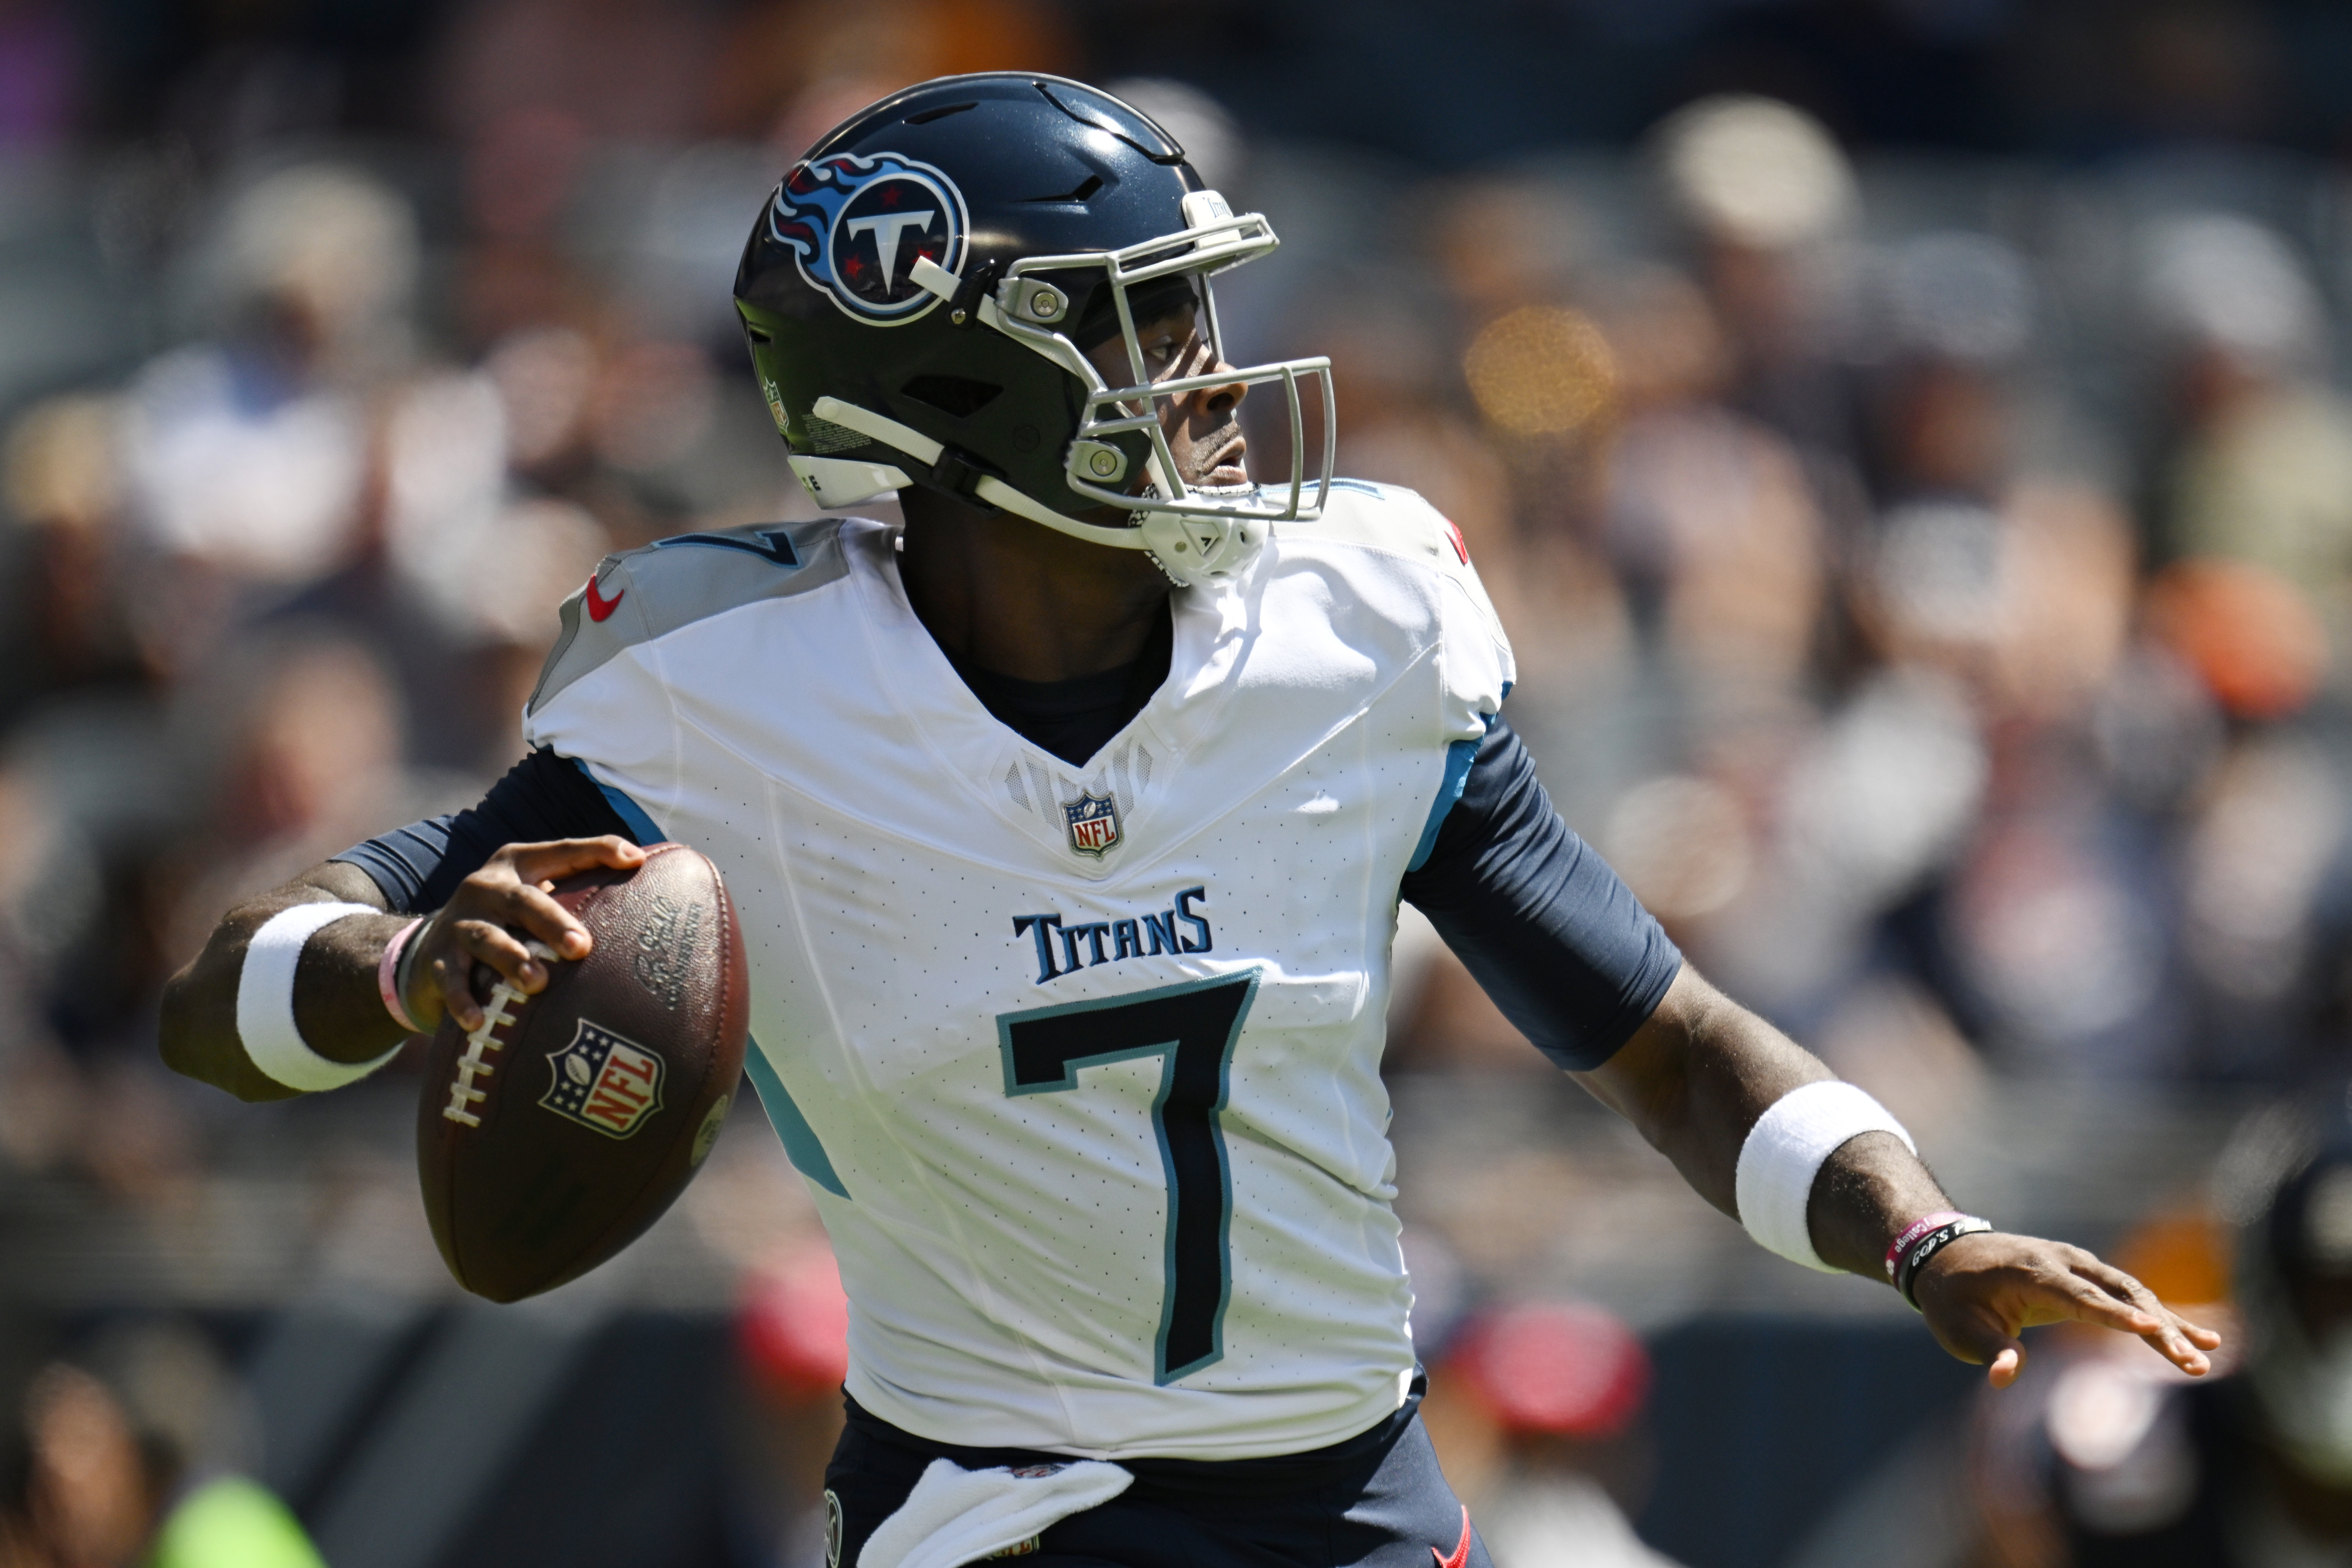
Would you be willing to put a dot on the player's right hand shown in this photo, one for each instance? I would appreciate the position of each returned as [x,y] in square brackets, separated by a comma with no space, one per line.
[493,913]
[1981,1291]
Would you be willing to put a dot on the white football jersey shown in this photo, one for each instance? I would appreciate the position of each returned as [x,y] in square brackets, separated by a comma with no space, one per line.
[1082,1063]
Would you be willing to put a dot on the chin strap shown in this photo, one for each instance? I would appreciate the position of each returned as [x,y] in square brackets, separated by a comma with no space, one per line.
[844,481]
[1187,555]
[927,452]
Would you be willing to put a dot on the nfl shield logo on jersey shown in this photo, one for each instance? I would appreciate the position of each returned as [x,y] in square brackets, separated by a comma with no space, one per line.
[1094,824]
[603,1081]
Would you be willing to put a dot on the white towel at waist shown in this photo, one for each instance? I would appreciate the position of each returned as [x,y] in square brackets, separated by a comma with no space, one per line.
[956,1516]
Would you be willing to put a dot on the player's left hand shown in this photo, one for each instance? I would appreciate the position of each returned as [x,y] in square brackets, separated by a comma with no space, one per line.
[1981,1291]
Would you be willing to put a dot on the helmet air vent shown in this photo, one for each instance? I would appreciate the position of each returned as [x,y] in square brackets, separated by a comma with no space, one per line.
[1083,193]
[941,112]
[958,397]
[825,438]
[1091,106]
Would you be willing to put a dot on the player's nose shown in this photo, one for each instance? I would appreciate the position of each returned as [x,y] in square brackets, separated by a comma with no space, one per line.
[1222,397]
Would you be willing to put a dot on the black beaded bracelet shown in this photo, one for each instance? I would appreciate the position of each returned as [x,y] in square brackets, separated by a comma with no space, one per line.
[1914,1257]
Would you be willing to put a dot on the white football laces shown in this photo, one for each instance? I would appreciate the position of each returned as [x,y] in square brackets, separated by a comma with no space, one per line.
[474,1064]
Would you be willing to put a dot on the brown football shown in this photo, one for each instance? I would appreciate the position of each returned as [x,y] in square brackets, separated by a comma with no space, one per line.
[551,1138]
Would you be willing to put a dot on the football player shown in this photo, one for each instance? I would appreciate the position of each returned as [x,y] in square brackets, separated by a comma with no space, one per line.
[1067,825]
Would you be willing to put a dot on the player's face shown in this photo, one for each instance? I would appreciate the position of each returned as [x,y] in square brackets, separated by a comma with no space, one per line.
[1203,426]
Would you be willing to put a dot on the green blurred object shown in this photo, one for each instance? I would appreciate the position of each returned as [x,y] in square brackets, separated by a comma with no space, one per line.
[233,1523]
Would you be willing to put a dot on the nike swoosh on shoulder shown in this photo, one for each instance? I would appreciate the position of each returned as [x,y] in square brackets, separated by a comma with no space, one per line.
[600,608]
[1461,1557]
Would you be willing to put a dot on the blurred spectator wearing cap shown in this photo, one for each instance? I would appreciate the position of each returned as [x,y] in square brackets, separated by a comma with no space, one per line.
[1709,517]
[2109,1462]
[247,457]
[2264,471]
[1534,1410]
[1765,194]
[1995,558]
[1946,319]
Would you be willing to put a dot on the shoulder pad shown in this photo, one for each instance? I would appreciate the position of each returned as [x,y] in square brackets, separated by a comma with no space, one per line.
[1398,523]
[1384,517]
[642,594]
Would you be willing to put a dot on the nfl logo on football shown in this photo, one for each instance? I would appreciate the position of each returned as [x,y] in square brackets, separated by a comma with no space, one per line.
[1094,824]
[605,1081]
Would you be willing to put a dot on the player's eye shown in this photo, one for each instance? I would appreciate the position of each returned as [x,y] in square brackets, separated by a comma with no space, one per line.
[1162,350]
[1167,343]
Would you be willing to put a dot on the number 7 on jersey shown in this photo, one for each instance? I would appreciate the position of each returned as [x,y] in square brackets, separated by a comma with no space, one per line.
[1191,1029]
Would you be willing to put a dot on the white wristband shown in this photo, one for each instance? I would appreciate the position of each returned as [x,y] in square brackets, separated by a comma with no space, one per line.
[265,1001]
[1784,1151]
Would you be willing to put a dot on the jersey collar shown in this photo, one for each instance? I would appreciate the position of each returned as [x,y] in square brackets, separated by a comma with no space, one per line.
[1211,627]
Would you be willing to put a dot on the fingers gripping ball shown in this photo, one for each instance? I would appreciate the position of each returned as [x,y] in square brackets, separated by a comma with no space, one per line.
[551,1136]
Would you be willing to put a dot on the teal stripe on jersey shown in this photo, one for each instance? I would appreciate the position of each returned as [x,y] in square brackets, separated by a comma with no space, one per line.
[1458,758]
[800,1140]
[641,826]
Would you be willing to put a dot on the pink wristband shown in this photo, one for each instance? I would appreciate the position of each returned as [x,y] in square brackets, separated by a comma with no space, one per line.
[387,978]
[1918,1228]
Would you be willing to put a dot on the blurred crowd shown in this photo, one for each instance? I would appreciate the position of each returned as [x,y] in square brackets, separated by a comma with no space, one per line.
[1931,579]
[1943,626]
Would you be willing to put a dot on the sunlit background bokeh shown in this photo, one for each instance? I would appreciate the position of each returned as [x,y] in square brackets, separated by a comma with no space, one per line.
[1905,440]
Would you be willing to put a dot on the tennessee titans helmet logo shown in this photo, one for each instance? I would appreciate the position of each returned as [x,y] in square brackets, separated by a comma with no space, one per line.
[857,227]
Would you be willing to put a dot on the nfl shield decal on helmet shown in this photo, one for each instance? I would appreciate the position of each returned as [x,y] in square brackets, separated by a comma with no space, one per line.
[1093,822]
[857,225]
[603,1081]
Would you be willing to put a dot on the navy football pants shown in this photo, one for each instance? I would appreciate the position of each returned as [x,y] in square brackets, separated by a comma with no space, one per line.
[1376,1500]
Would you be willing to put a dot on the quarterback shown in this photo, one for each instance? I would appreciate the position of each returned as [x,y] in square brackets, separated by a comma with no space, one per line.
[1068,824]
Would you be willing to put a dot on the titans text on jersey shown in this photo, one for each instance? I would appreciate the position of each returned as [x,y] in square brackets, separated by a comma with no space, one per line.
[1080,942]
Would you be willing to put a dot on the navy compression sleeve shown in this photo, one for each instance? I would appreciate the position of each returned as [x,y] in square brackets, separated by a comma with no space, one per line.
[543,796]
[1540,921]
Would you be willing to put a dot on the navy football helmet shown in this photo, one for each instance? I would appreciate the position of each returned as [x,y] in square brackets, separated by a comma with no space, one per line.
[921,289]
